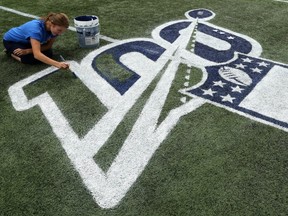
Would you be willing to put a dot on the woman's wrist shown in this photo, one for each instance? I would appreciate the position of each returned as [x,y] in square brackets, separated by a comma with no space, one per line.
[28,51]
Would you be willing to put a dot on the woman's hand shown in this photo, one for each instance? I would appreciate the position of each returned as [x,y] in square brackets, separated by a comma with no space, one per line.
[63,65]
[20,52]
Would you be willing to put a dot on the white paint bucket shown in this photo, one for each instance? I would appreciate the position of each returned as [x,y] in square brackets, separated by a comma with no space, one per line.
[88,30]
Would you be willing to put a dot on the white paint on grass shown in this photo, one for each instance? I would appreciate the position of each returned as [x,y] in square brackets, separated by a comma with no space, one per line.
[110,187]
[213,42]
[286,1]
[18,12]
[267,97]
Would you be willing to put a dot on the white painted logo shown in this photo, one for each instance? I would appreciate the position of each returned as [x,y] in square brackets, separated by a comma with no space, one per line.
[192,41]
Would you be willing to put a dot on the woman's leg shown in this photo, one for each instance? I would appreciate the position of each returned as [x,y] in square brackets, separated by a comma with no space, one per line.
[11,46]
[16,57]
[29,59]
[26,59]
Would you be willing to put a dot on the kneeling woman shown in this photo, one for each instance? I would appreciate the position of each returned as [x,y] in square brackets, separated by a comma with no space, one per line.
[32,42]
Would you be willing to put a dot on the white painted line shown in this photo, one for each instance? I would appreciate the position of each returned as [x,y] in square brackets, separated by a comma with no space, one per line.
[183,100]
[186,84]
[112,40]
[286,1]
[18,12]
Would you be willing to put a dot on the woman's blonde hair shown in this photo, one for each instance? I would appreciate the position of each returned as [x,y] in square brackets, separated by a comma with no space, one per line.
[59,19]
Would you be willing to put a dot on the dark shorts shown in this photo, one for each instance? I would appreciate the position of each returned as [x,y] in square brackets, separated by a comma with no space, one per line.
[26,59]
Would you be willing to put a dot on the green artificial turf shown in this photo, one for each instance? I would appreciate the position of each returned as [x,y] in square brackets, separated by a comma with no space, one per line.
[214,162]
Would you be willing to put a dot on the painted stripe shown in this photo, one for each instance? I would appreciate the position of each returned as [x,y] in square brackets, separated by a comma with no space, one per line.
[18,12]
[112,40]
[286,1]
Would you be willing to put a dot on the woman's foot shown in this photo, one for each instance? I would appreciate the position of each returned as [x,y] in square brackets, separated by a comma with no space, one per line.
[16,57]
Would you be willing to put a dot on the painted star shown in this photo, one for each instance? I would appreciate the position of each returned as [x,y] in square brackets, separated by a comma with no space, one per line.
[247,60]
[264,64]
[227,98]
[240,66]
[256,70]
[237,89]
[208,92]
[219,83]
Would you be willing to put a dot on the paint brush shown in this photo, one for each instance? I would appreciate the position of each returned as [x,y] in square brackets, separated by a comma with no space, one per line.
[62,58]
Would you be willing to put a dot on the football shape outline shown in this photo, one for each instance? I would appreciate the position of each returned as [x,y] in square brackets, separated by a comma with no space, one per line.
[235,76]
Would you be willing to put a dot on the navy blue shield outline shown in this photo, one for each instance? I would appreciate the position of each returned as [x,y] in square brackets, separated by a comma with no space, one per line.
[254,87]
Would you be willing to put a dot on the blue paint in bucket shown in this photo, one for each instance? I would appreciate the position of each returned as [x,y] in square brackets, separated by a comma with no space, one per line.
[88,31]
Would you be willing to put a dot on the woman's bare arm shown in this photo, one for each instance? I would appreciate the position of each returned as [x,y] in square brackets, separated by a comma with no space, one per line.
[36,49]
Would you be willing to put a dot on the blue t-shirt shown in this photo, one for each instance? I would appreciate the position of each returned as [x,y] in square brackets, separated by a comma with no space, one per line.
[34,29]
